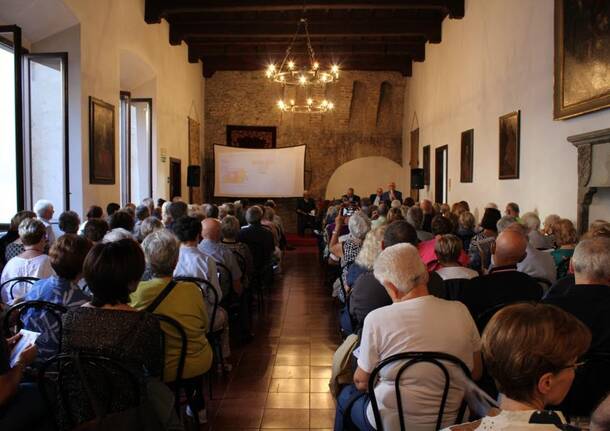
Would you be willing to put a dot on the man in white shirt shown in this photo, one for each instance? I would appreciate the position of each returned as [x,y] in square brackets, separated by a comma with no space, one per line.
[44,210]
[415,322]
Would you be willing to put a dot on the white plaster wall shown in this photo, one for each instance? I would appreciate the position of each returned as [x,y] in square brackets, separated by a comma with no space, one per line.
[498,59]
[107,27]
[364,175]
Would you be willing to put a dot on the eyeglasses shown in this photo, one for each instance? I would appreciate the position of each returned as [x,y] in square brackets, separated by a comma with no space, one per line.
[576,366]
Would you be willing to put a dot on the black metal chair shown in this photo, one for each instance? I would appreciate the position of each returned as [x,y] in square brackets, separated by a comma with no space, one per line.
[225,278]
[105,393]
[12,322]
[544,283]
[17,280]
[410,359]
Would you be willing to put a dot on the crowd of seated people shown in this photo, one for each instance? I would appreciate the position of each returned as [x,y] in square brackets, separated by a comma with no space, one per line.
[115,278]
[458,281]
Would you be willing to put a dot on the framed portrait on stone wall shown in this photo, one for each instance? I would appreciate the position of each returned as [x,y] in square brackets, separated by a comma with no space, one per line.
[510,131]
[426,157]
[251,136]
[101,142]
[466,156]
[582,57]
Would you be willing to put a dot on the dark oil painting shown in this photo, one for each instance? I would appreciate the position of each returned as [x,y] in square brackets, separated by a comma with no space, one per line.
[582,57]
[510,125]
[101,142]
[466,156]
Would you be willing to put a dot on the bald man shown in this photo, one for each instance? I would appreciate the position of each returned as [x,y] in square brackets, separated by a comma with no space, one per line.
[504,284]
[211,246]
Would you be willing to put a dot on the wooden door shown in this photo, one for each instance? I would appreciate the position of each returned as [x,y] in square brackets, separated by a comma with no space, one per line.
[175,178]
[441,161]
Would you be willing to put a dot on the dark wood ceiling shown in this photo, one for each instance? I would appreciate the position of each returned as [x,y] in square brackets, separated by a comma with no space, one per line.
[356,34]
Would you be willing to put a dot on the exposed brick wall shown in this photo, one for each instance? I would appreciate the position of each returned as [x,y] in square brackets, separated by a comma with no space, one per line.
[365,122]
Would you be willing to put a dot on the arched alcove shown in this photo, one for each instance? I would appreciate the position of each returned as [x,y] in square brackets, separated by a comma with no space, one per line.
[364,174]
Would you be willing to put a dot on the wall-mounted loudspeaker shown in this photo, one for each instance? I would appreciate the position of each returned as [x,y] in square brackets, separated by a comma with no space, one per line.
[417,178]
[193,176]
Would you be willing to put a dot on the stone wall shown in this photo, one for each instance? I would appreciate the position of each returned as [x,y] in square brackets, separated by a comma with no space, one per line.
[367,121]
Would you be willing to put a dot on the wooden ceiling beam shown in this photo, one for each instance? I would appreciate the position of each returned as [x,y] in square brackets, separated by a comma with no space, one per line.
[157,9]
[431,30]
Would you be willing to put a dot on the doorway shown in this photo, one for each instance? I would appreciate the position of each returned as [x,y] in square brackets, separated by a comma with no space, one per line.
[414,162]
[441,163]
[175,178]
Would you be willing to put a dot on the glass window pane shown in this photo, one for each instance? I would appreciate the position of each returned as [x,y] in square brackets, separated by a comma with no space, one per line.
[8,161]
[140,150]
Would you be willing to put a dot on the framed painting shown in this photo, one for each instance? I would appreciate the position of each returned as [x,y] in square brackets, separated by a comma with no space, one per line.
[251,136]
[466,156]
[510,130]
[101,142]
[426,157]
[582,57]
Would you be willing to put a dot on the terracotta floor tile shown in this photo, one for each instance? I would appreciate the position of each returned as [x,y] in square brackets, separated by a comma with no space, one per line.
[321,360]
[289,385]
[320,372]
[292,360]
[290,372]
[285,418]
[321,418]
[283,400]
[321,400]
[318,385]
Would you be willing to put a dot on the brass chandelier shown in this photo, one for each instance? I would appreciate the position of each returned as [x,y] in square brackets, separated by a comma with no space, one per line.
[289,74]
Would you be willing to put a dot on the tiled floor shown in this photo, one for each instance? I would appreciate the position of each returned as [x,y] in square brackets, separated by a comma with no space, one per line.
[280,379]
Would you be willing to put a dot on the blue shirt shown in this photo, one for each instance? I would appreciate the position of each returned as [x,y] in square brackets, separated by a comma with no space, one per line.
[58,291]
[221,254]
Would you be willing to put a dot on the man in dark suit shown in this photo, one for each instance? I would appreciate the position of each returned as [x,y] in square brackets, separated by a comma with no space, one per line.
[377,198]
[305,218]
[392,194]
[504,284]
[350,197]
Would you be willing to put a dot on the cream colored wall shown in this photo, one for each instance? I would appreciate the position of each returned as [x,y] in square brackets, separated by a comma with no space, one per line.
[498,59]
[107,27]
[364,174]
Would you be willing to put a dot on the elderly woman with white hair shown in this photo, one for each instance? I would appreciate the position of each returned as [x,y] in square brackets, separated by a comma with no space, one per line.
[348,246]
[531,222]
[440,325]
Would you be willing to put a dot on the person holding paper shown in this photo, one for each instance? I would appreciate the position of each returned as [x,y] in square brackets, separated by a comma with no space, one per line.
[21,406]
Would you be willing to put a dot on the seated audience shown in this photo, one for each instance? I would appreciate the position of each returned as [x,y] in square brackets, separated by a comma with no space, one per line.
[380,218]
[547,229]
[69,221]
[465,229]
[175,211]
[142,213]
[415,217]
[148,226]
[589,300]
[44,210]
[66,256]
[111,208]
[211,246]
[371,247]
[165,217]
[531,221]
[350,197]
[268,223]
[93,213]
[367,293]
[21,405]
[259,240]
[347,248]
[600,419]
[394,214]
[503,284]
[230,230]
[390,330]
[448,249]
[377,198]
[121,219]
[31,263]
[479,252]
[194,263]
[565,237]
[537,264]
[117,234]
[10,244]
[150,204]
[531,351]
[504,222]
[209,211]
[109,326]
[512,210]
[184,303]
[95,230]
[428,211]
[440,226]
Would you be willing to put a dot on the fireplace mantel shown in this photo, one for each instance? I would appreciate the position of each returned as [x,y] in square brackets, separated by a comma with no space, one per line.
[586,165]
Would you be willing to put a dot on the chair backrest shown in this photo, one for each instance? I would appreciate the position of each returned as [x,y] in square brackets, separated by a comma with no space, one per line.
[241,261]
[225,277]
[176,326]
[453,287]
[89,389]
[208,291]
[12,318]
[15,281]
[410,359]
[484,317]
[544,283]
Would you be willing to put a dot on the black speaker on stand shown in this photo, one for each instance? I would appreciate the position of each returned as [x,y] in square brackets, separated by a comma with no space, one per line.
[417,178]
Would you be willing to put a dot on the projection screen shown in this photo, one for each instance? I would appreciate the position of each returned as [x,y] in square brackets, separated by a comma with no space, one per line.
[251,173]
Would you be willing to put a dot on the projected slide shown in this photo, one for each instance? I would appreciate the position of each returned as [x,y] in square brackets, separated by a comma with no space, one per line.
[245,172]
